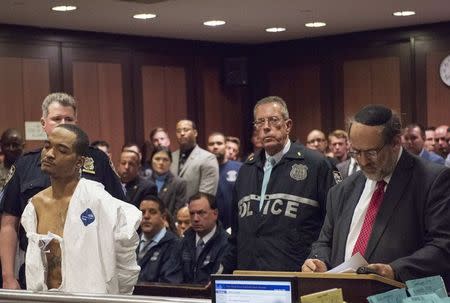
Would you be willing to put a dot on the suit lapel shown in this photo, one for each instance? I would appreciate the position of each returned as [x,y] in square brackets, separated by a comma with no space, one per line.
[174,165]
[347,214]
[395,189]
[189,160]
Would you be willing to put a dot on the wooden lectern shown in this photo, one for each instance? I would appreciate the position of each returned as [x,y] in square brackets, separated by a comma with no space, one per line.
[355,287]
[172,290]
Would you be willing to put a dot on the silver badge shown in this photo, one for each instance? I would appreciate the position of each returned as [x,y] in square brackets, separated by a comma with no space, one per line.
[154,256]
[231,176]
[299,172]
[337,177]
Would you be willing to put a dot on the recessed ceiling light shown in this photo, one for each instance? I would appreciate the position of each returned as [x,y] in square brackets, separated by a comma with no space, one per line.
[214,23]
[275,29]
[64,8]
[144,16]
[315,24]
[404,13]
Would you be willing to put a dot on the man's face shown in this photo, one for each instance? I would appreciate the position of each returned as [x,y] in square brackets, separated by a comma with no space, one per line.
[161,163]
[203,218]
[183,220]
[152,219]
[273,129]
[316,141]
[128,166]
[12,147]
[57,114]
[58,157]
[368,140]
[339,147]
[429,143]
[413,140]
[231,150]
[186,134]
[161,139]
[440,136]
[216,145]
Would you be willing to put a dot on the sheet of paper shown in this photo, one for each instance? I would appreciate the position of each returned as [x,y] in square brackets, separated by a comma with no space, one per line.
[430,298]
[428,285]
[392,296]
[350,265]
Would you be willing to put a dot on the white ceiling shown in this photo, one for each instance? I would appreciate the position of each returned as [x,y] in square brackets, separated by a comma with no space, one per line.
[246,19]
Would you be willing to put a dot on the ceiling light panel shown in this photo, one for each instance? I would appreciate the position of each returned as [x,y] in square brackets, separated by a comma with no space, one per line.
[64,8]
[214,23]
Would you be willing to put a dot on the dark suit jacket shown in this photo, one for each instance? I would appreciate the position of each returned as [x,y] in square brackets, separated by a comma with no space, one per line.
[412,228]
[173,193]
[137,189]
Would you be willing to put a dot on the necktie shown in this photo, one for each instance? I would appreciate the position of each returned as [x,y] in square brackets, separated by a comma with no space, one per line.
[142,248]
[181,162]
[199,248]
[369,219]
[270,162]
[354,169]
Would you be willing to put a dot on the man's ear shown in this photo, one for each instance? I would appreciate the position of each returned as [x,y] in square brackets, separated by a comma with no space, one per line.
[42,122]
[80,162]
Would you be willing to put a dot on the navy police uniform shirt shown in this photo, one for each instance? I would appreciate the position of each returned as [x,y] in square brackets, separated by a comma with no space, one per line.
[26,179]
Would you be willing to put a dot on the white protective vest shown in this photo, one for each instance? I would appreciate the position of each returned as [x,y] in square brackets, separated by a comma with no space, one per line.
[98,246]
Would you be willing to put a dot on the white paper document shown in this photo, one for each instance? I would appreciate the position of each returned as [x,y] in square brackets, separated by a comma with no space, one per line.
[351,265]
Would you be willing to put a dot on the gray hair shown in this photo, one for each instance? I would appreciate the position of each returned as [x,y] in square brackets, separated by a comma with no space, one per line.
[273,99]
[61,98]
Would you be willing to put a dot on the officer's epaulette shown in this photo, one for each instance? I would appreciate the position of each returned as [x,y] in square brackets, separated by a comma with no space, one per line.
[32,152]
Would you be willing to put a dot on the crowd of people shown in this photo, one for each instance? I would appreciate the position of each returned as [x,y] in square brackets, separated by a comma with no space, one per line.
[159,215]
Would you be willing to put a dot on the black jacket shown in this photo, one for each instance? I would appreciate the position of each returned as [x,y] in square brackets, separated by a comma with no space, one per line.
[279,237]
[138,189]
[161,263]
[209,260]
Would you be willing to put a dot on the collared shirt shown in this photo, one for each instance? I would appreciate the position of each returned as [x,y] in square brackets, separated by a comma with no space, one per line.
[207,237]
[360,211]
[351,166]
[277,157]
[149,243]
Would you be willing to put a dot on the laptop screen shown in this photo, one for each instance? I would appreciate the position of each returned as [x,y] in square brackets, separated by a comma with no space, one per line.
[252,289]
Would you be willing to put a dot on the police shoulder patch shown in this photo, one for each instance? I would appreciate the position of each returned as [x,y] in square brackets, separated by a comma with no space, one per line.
[299,172]
[337,176]
[11,173]
[88,165]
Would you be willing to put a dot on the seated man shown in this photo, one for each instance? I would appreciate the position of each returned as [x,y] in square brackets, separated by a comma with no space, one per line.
[158,251]
[183,221]
[205,242]
[81,239]
[395,211]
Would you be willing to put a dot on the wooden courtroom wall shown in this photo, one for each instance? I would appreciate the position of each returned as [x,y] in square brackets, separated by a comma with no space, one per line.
[128,85]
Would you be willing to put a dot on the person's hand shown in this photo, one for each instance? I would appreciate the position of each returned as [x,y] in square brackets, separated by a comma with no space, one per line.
[384,270]
[314,265]
[11,283]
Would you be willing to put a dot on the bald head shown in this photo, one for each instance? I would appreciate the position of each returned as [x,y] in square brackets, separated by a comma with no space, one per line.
[12,145]
[442,136]
[316,140]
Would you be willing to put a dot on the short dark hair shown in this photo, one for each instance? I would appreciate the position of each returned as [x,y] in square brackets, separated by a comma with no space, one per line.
[130,144]
[211,199]
[161,149]
[419,126]
[157,130]
[234,140]
[161,206]
[433,128]
[379,115]
[81,143]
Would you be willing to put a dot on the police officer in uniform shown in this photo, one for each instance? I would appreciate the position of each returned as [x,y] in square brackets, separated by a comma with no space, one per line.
[279,198]
[26,180]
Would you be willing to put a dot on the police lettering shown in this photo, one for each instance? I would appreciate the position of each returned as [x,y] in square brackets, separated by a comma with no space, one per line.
[274,207]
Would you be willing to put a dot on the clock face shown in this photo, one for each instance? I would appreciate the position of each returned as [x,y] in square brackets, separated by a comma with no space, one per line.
[444,70]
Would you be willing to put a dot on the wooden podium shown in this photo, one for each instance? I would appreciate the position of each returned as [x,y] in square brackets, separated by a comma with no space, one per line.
[172,290]
[355,287]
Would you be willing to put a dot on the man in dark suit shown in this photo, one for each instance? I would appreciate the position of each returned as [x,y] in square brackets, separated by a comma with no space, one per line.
[135,187]
[414,142]
[402,228]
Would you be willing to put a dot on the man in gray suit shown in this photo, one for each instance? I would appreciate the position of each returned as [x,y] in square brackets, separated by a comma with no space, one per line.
[394,211]
[195,165]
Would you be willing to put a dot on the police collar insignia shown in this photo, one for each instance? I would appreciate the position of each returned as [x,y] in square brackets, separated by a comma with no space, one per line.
[231,176]
[155,256]
[87,217]
[88,166]
[207,260]
[299,172]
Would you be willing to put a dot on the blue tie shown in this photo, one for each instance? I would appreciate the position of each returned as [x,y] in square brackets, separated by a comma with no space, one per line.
[270,162]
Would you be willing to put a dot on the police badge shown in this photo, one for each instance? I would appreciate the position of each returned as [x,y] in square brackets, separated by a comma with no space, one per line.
[88,165]
[11,172]
[299,172]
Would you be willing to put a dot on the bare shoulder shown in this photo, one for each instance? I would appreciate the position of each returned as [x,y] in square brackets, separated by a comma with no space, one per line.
[42,198]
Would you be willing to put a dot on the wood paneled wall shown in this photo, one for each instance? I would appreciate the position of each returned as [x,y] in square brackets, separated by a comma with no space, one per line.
[438,93]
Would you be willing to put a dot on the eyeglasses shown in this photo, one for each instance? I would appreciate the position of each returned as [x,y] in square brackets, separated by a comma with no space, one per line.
[370,153]
[272,121]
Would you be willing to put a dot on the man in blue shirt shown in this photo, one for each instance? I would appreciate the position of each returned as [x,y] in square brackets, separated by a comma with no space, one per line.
[228,171]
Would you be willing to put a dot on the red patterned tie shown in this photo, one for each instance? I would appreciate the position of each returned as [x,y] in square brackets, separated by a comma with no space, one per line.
[371,214]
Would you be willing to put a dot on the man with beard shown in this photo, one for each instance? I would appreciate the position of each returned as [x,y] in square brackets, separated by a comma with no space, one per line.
[394,211]
[228,171]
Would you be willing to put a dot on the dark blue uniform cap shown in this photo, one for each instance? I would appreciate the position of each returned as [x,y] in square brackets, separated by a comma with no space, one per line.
[373,115]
